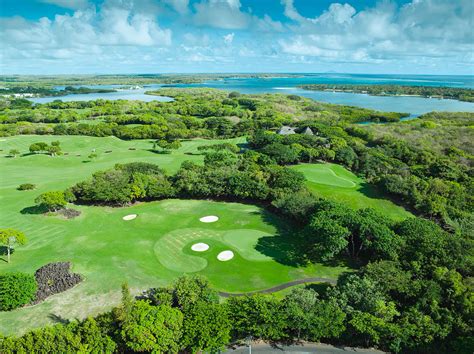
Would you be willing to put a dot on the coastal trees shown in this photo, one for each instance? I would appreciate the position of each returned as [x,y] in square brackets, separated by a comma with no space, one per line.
[10,237]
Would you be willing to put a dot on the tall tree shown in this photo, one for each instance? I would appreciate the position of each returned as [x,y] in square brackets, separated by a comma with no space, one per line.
[9,237]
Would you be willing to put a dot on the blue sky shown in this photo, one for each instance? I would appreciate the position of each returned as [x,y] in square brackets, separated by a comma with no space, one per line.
[184,36]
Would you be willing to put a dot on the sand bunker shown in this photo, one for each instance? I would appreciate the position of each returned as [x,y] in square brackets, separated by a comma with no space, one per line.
[225,256]
[200,247]
[129,217]
[210,218]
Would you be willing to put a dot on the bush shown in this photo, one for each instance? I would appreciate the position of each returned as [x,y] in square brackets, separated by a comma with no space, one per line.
[26,187]
[16,289]
[52,201]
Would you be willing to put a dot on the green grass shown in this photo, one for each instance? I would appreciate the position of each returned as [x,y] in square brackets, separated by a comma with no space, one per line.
[335,182]
[151,250]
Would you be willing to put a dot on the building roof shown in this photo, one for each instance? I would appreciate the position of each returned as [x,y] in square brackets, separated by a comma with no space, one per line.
[285,130]
[308,131]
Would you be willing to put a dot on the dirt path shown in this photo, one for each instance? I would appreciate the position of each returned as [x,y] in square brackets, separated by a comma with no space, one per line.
[280,287]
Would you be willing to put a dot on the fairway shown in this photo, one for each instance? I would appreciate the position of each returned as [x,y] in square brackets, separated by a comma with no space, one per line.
[151,249]
[335,182]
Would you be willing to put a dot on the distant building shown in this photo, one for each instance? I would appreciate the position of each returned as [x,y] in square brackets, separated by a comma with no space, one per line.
[285,130]
[308,131]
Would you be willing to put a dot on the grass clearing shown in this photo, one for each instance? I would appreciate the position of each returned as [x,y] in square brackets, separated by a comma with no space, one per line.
[335,182]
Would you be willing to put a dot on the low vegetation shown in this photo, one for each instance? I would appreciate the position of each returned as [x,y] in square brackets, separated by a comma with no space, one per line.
[16,289]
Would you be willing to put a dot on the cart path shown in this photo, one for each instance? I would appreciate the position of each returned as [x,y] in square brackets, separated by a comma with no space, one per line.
[281,286]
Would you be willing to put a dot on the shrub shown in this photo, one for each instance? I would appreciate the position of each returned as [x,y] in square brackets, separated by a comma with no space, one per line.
[26,187]
[16,289]
[52,201]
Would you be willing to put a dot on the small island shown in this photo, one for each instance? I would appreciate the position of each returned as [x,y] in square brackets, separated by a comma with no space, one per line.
[454,93]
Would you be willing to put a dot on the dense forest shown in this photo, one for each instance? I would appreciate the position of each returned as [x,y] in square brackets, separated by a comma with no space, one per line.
[461,94]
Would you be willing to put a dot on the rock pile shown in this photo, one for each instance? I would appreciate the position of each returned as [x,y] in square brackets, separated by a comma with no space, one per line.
[54,278]
[69,213]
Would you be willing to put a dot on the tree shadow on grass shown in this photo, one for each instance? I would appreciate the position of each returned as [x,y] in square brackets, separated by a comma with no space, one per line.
[320,288]
[58,319]
[289,246]
[375,192]
[160,152]
[34,210]
[193,153]
[243,146]
[4,252]
[285,246]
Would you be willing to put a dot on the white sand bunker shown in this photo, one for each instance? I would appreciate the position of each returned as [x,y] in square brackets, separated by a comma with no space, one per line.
[225,256]
[210,218]
[200,247]
[129,217]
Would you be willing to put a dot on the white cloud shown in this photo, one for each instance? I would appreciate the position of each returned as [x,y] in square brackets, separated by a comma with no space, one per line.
[229,38]
[422,28]
[224,14]
[130,34]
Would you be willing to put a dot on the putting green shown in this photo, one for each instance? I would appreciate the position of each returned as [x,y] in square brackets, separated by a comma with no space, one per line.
[335,182]
[151,250]
[172,249]
[328,174]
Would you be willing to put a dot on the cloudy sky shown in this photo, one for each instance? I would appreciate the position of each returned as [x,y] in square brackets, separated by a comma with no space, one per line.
[163,36]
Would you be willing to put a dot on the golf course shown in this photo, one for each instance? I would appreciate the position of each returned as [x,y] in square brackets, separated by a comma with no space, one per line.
[335,182]
[152,248]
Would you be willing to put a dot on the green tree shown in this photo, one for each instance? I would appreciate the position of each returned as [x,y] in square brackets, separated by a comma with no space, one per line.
[51,201]
[188,290]
[54,150]
[310,318]
[260,316]
[426,245]
[122,312]
[206,327]
[331,237]
[167,145]
[93,338]
[34,148]
[10,237]
[16,289]
[153,328]
[14,152]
